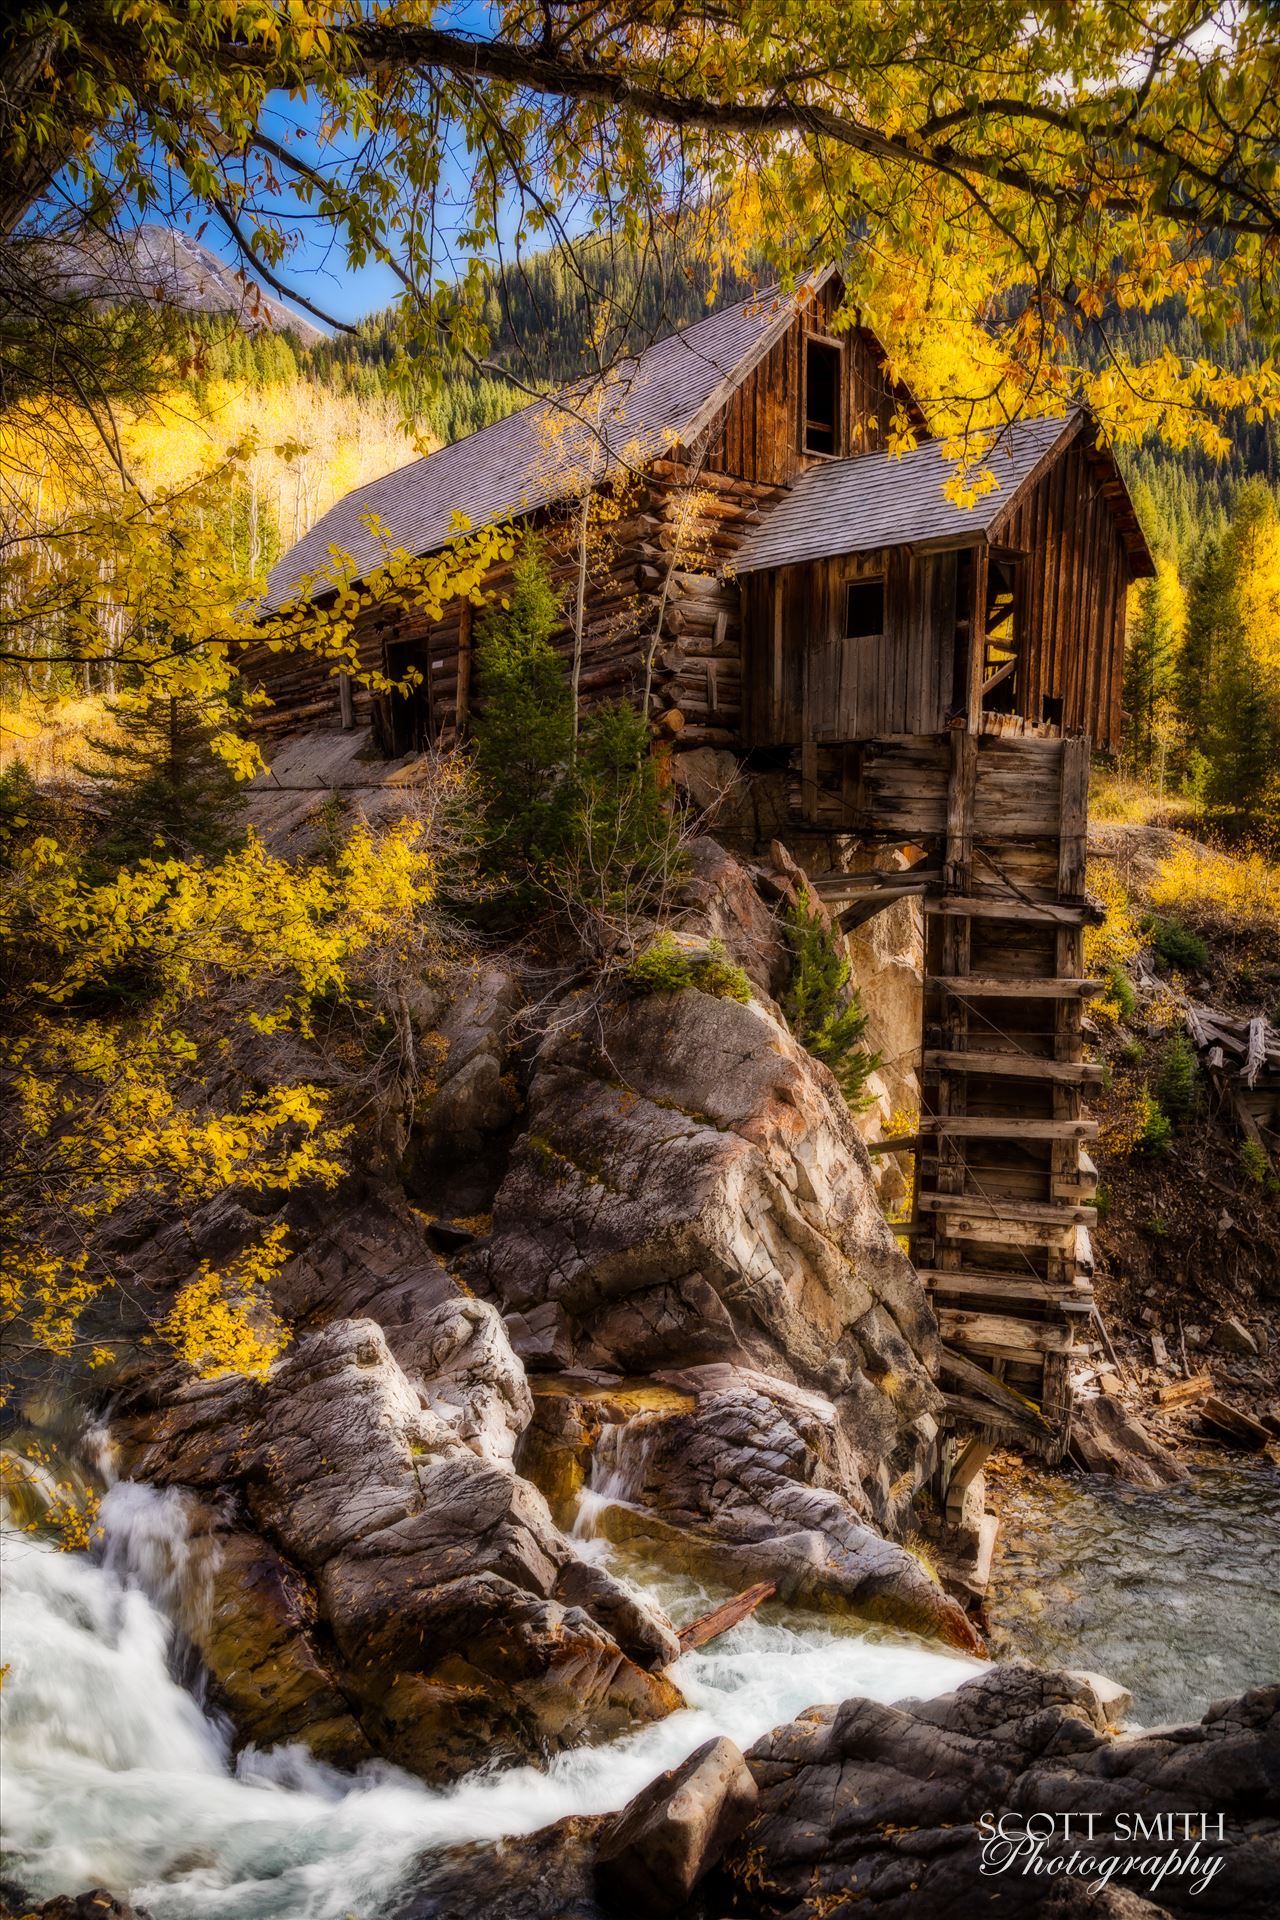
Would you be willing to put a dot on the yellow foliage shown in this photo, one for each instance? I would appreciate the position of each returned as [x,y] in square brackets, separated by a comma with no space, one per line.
[224,1322]
[1119,936]
[127,993]
[1219,890]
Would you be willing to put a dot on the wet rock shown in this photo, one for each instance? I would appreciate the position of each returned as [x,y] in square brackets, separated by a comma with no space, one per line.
[652,1855]
[95,1905]
[1105,1438]
[880,1806]
[1114,1699]
[434,1566]
[745,1477]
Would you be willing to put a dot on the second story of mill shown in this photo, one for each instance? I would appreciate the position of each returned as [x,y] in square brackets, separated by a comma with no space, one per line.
[772,570]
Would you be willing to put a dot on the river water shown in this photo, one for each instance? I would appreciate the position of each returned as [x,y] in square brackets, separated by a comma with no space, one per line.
[114,1775]
[1173,1591]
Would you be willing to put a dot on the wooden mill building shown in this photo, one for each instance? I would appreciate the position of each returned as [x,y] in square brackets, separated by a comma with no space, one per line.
[904,672]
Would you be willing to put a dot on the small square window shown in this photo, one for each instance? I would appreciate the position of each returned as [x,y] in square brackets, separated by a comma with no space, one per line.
[864,610]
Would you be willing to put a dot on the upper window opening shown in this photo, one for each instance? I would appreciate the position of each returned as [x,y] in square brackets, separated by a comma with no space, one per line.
[821,397]
[864,610]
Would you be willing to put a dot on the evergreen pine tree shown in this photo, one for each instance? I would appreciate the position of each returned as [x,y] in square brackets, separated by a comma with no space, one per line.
[163,791]
[524,726]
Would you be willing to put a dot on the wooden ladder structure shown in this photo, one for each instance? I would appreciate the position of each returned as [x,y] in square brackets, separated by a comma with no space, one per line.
[1004,1183]
[994,818]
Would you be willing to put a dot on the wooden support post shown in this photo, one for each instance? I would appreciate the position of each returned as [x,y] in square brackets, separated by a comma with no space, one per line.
[1074,801]
[977,640]
[462,710]
[346,703]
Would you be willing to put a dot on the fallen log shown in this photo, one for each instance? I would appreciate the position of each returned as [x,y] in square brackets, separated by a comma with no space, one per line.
[1180,1392]
[1240,1428]
[708,1625]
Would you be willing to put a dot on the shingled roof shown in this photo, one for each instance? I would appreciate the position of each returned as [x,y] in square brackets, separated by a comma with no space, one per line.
[648,404]
[897,500]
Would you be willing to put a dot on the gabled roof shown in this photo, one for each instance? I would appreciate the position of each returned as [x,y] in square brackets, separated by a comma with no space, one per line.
[897,500]
[661,398]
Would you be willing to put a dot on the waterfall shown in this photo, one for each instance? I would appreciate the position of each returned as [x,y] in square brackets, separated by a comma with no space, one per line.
[112,1775]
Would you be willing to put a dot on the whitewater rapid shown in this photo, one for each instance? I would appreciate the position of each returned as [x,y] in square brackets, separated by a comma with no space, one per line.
[112,1774]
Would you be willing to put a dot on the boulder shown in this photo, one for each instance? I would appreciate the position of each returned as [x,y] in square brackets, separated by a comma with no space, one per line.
[1114,1699]
[1233,1336]
[1107,1438]
[882,1806]
[692,1188]
[743,1477]
[434,1567]
[652,1855]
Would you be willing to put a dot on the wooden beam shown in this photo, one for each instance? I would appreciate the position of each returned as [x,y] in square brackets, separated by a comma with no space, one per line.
[1002,1333]
[983,1126]
[1006,1287]
[1017,1066]
[977,1207]
[994,986]
[462,706]
[975,906]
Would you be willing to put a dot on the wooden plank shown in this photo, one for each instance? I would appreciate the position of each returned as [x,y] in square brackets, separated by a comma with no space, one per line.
[1000,1332]
[1006,1287]
[709,1625]
[996,986]
[977,1207]
[1031,912]
[1014,1126]
[1017,1066]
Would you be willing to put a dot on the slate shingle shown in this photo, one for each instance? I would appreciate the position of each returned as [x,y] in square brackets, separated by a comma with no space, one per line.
[887,500]
[544,452]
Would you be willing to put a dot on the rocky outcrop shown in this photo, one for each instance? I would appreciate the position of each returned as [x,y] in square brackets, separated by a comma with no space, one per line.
[879,1809]
[691,1189]
[740,1477]
[652,1855]
[439,1582]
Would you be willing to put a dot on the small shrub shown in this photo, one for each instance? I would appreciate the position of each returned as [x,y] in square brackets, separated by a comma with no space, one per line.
[667,967]
[1253,1163]
[1155,1129]
[1131,1052]
[1120,1000]
[825,1013]
[1102,1199]
[663,967]
[1178,1080]
[716,973]
[1176,947]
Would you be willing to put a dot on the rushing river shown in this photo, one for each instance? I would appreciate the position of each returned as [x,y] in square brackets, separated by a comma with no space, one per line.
[113,1775]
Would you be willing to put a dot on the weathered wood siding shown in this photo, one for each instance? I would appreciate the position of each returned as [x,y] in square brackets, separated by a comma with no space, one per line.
[1073,591]
[759,435]
[806,680]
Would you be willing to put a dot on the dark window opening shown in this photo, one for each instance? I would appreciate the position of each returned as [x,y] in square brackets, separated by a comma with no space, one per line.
[864,610]
[1051,710]
[821,397]
[1000,655]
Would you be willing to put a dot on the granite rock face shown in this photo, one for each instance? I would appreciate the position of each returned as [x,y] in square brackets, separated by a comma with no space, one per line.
[383,1581]
[868,1808]
[651,1856]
